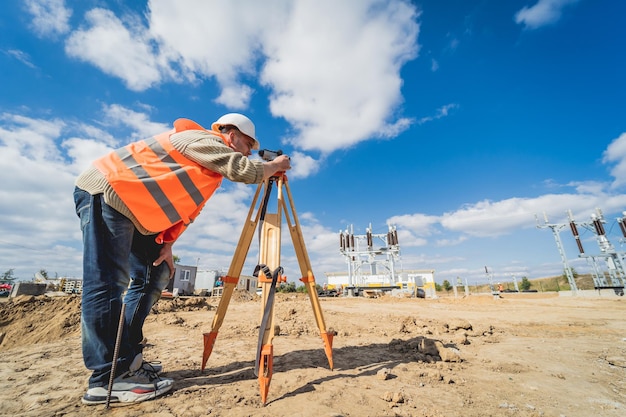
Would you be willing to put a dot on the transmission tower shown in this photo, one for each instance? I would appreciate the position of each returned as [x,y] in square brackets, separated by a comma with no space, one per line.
[613,259]
[556,229]
[615,270]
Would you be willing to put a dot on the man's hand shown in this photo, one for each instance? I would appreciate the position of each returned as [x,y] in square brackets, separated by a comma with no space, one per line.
[166,255]
[279,164]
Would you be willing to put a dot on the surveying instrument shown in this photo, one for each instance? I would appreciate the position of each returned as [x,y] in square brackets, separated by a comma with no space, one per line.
[269,271]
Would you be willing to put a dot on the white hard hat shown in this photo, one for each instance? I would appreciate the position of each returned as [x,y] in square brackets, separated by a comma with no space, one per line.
[241,122]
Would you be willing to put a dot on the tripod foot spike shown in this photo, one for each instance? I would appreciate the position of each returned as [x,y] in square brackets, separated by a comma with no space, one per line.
[209,342]
[328,347]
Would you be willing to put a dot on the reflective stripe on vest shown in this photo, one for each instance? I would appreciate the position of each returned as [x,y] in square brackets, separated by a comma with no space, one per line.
[159,185]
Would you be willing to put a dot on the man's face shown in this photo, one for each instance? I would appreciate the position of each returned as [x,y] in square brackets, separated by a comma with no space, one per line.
[241,143]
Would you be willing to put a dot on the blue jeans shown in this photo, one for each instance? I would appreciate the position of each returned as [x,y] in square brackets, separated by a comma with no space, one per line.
[115,255]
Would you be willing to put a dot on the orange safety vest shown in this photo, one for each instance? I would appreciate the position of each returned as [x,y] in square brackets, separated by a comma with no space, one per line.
[163,189]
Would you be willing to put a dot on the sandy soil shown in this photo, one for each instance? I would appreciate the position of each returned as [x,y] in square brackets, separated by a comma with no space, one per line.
[522,355]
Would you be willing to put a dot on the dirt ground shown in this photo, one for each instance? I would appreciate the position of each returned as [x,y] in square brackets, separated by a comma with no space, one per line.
[521,355]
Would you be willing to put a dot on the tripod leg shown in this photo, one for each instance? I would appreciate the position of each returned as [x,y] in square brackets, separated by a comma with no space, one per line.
[327,336]
[230,283]
[269,255]
[307,275]
[234,272]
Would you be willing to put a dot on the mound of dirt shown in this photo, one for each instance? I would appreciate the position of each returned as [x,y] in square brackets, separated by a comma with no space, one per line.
[27,320]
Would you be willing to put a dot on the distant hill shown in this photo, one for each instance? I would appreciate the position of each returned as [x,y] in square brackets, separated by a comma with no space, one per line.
[555,283]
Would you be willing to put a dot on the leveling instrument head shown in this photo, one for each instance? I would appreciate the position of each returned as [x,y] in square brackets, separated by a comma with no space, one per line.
[268,155]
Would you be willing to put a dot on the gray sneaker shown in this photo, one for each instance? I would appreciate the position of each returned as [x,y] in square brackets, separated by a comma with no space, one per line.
[135,385]
[152,366]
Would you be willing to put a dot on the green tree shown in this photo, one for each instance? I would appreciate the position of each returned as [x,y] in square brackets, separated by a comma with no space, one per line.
[437,286]
[287,287]
[44,273]
[525,286]
[446,285]
[175,259]
[305,290]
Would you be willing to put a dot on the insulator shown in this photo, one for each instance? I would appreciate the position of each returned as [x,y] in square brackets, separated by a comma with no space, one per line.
[395,237]
[342,241]
[370,243]
[389,239]
[352,241]
[580,245]
[599,228]
[572,226]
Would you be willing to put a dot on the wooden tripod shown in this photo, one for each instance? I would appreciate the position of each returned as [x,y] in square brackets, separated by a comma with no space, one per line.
[269,273]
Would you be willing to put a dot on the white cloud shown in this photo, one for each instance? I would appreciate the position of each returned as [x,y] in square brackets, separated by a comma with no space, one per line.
[120,49]
[336,84]
[302,165]
[322,244]
[419,224]
[543,13]
[21,56]
[434,65]
[29,137]
[36,194]
[504,217]
[83,151]
[409,239]
[443,111]
[235,97]
[589,187]
[413,229]
[615,154]
[217,39]
[139,122]
[451,242]
[496,218]
[50,17]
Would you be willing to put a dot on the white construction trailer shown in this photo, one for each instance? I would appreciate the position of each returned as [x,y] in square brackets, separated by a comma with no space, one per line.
[407,280]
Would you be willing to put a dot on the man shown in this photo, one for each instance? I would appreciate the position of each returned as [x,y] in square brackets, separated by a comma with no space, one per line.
[133,204]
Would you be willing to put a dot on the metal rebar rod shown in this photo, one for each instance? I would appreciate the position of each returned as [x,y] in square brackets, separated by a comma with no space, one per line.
[116,351]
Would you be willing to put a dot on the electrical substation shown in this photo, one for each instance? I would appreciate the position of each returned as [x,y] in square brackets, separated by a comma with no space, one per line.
[374,266]
[607,266]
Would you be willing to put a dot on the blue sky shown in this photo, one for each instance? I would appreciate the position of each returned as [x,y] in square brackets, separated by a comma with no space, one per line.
[455,121]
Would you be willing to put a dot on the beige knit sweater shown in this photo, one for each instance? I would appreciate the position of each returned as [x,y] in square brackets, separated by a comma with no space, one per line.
[200,146]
